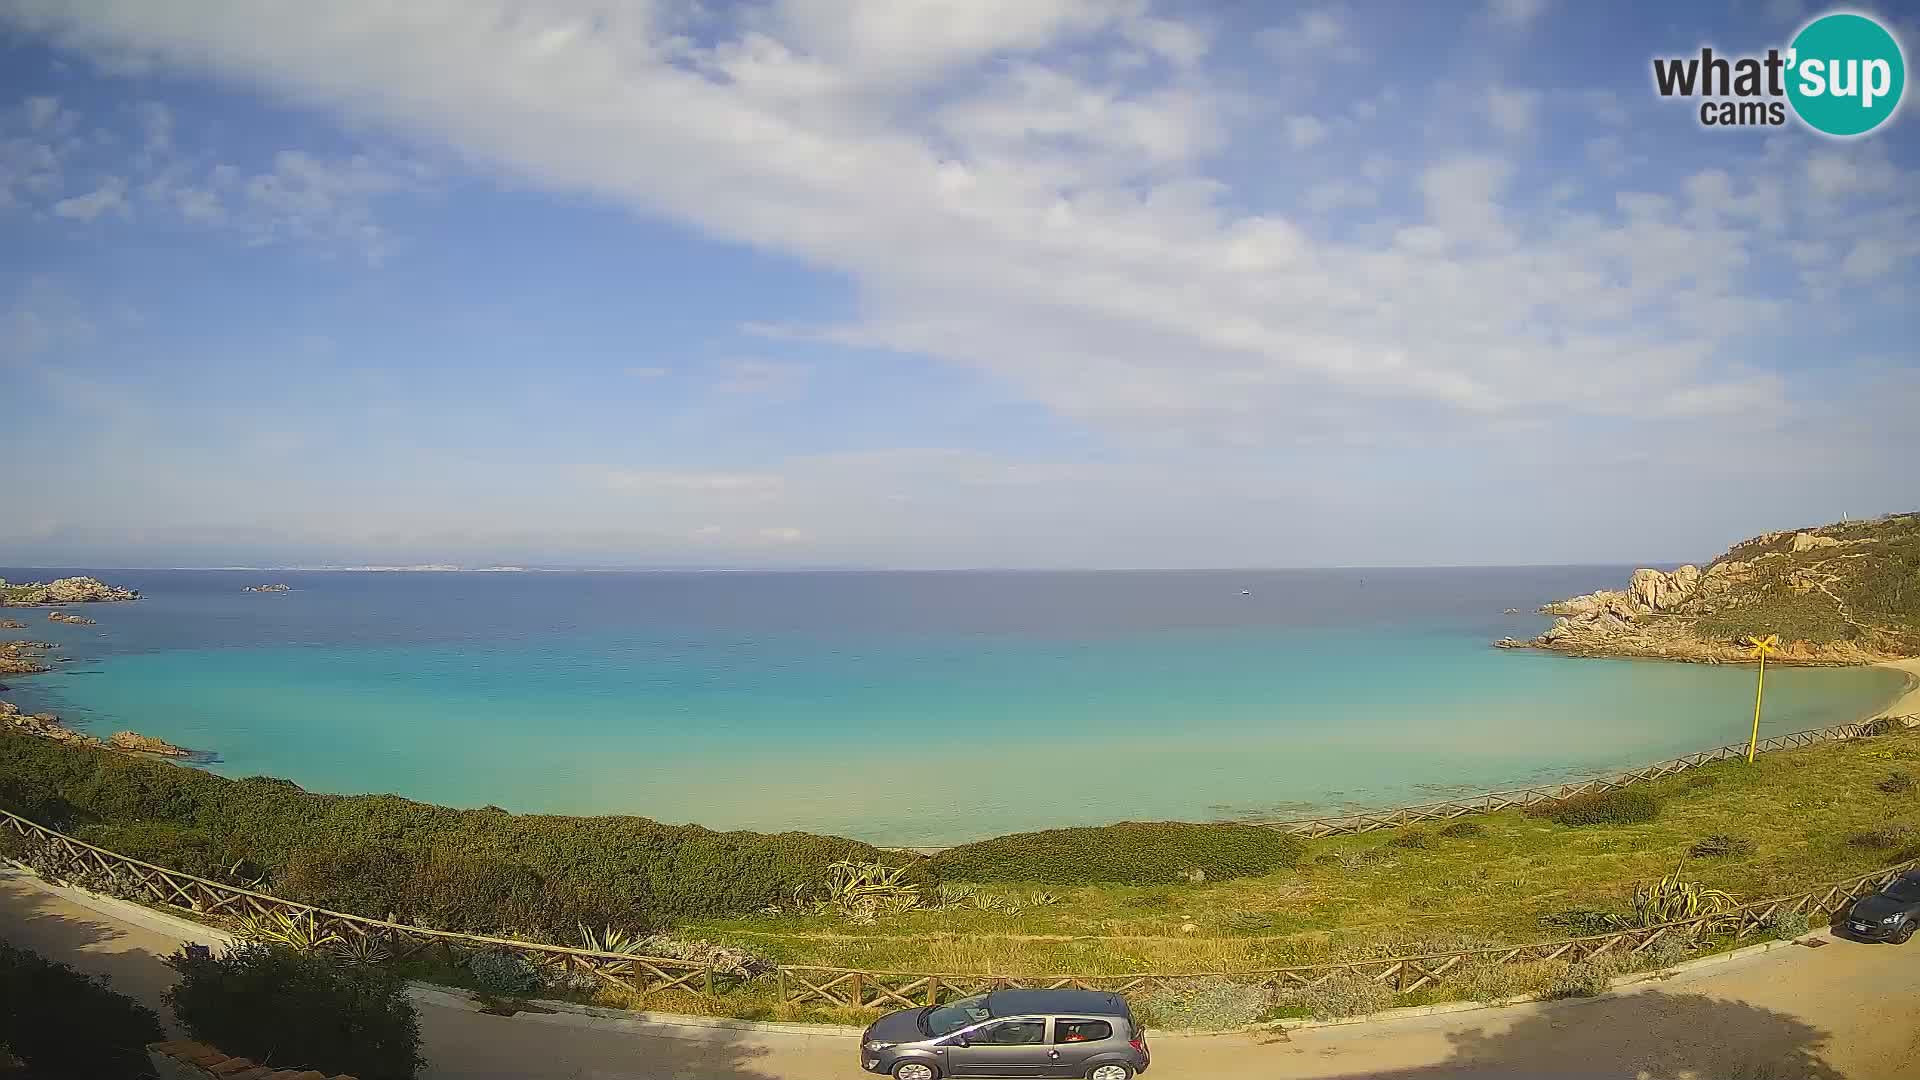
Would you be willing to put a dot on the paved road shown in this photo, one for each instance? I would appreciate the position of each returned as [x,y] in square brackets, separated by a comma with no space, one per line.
[1842,1011]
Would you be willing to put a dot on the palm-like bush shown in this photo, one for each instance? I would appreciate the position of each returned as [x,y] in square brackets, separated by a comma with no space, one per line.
[863,891]
[300,933]
[1674,898]
[610,940]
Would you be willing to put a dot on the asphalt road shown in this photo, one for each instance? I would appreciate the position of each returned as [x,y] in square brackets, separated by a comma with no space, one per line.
[1844,1010]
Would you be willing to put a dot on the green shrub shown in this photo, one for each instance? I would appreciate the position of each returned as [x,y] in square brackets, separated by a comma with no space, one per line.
[1788,925]
[1587,978]
[1342,994]
[1414,839]
[1896,783]
[476,871]
[1464,830]
[1721,846]
[1664,953]
[61,1023]
[1582,922]
[1202,1004]
[501,972]
[1886,836]
[1132,853]
[1621,806]
[295,1011]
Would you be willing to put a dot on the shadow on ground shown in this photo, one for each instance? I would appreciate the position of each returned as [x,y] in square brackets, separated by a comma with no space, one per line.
[1645,1036]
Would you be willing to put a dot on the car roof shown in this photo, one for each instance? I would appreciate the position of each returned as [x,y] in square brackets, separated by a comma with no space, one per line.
[1085,1002]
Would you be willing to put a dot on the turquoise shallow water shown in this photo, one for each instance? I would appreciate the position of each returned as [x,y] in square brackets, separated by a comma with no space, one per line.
[902,708]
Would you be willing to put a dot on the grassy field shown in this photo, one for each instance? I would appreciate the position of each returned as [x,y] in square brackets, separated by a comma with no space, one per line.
[1811,815]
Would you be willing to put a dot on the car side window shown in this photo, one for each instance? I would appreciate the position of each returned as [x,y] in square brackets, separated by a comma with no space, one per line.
[1079,1031]
[1011,1033]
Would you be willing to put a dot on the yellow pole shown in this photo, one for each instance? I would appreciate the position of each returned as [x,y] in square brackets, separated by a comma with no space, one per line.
[1759,689]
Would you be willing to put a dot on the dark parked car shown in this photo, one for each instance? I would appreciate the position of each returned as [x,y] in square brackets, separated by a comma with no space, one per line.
[1892,914]
[1076,1033]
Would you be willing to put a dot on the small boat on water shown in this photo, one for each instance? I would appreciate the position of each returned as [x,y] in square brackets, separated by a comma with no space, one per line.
[1246,592]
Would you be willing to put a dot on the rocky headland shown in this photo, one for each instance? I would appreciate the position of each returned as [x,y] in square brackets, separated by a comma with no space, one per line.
[72,590]
[1847,593]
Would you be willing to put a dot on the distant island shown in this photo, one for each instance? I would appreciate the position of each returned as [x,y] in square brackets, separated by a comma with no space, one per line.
[268,588]
[1846,593]
[72,590]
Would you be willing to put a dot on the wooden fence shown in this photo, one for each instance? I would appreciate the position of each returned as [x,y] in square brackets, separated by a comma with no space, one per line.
[1489,802]
[845,987]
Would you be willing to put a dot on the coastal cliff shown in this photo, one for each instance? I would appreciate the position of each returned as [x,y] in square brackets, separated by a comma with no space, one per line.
[1847,593]
[72,590]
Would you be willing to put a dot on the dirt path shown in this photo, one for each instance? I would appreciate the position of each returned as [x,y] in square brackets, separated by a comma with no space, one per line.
[1841,1012]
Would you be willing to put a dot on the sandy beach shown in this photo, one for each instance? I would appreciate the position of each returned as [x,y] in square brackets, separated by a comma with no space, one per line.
[1907,704]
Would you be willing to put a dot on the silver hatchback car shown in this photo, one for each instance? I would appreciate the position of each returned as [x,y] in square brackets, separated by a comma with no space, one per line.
[1007,1033]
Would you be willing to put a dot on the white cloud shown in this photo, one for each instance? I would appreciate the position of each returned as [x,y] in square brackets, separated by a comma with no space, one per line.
[41,112]
[1052,226]
[1517,13]
[711,483]
[109,198]
[1513,112]
[1311,34]
[760,377]
[784,534]
[1305,131]
[1335,194]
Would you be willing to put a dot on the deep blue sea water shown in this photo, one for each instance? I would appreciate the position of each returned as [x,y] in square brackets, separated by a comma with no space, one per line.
[904,708]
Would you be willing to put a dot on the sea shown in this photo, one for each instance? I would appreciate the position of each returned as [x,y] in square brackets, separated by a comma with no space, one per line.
[909,709]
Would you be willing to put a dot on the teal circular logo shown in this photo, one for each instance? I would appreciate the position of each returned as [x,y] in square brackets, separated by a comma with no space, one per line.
[1845,74]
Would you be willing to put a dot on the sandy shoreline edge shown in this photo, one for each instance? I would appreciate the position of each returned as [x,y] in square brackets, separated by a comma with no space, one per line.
[1908,703]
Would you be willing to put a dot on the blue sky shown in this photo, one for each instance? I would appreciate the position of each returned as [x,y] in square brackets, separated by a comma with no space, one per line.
[932,284]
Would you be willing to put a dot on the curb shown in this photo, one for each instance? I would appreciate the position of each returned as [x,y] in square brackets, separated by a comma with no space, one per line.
[1622,984]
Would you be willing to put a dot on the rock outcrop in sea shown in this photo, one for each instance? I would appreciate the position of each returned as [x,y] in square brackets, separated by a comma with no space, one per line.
[12,624]
[268,588]
[22,657]
[64,617]
[48,726]
[72,590]
[1834,595]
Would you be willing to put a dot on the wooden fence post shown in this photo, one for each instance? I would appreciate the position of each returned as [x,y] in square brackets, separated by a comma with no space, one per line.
[781,971]
[859,991]
[709,980]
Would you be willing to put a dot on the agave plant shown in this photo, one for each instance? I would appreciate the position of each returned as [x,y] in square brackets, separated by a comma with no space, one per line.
[361,950]
[302,933]
[1674,898]
[863,891]
[610,940]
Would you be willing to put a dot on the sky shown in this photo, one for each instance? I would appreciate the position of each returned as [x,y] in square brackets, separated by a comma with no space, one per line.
[932,283]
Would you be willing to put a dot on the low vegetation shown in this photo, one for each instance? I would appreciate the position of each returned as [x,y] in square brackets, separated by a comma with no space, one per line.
[1134,853]
[58,1022]
[295,1010]
[1860,584]
[482,871]
[1127,898]
[1621,806]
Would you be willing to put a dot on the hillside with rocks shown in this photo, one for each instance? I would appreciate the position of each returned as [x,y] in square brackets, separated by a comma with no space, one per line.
[70,590]
[1847,593]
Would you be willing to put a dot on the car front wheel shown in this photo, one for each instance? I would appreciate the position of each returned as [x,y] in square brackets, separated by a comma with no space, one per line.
[1110,1072]
[915,1070]
[1904,934]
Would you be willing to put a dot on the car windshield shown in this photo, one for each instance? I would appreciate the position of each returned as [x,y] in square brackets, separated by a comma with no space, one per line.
[955,1015]
[1904,890]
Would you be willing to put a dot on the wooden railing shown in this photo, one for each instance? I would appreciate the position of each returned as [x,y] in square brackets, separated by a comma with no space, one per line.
[1492,801]
[847,987]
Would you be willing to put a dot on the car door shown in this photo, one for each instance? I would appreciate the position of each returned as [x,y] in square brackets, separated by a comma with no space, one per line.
[1075,1040]
[1014,1046]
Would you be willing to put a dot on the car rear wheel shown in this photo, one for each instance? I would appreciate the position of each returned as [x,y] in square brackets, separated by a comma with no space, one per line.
[1110,1072]
[1904,934]
[915,1070]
